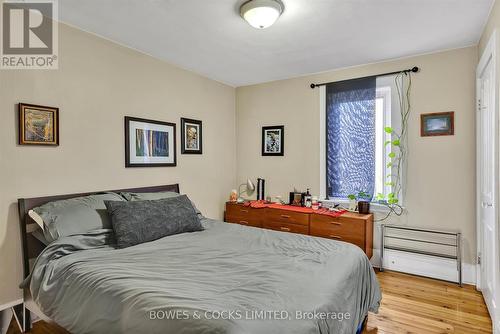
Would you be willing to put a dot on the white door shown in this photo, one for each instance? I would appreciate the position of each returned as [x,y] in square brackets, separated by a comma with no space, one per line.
[487,183]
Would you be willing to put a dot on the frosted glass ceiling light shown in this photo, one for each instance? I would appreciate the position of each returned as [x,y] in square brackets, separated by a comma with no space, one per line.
[261,14]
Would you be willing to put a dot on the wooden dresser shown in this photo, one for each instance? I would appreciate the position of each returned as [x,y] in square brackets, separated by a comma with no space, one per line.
[350,227]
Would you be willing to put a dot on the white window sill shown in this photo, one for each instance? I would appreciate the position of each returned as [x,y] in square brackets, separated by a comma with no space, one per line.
[374,206]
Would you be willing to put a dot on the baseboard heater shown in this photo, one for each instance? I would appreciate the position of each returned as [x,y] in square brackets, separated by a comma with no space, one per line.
[422,241]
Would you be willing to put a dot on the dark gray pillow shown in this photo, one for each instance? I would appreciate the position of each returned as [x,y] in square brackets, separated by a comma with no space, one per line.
[148,196]
[136,222]
[156,195]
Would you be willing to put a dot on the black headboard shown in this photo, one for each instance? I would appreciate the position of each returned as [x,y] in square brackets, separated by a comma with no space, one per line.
[32,247]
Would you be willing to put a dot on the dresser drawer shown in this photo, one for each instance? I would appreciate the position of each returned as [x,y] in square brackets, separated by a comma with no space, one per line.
[243,215]
[248,222]
[238,212]
[353,241]
[285,227]
[338,229]
[287,217]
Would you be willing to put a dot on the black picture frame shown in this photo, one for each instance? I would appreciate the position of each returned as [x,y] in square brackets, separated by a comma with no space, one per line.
[199,125]
[34,108]
[277,128]
[172,146]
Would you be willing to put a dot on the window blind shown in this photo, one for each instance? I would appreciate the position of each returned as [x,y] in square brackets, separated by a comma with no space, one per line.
[350,137]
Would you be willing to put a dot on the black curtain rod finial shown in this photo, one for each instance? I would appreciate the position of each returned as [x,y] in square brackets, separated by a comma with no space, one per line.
[312,86]
[415,69]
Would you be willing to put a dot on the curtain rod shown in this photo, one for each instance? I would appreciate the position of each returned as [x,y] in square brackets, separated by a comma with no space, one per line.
[414,70]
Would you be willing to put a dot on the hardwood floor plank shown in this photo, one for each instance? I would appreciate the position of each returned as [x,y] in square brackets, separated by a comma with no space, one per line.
[410,304]
[429,309]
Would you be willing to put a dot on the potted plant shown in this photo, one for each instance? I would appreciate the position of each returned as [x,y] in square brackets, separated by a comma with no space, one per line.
[363,202]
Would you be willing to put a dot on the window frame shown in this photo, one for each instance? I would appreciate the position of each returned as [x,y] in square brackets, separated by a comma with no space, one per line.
[384,93]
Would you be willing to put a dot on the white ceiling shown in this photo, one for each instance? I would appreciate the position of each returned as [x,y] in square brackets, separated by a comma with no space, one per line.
[209,37]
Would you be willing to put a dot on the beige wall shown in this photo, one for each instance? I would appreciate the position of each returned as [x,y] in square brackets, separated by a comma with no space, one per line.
[441,181]
[97,84]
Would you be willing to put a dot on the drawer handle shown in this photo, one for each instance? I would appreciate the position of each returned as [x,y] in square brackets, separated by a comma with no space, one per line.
[244,222]
[336,237]
[285,216]
[243,210]
[287,229]
[336,223]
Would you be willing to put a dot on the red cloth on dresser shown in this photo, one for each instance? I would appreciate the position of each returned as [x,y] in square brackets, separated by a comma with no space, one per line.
[322,211]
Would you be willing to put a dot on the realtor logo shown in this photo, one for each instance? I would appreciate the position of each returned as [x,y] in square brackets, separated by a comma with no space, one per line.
[29,35]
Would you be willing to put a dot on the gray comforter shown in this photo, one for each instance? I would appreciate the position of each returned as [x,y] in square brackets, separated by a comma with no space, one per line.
[225,279]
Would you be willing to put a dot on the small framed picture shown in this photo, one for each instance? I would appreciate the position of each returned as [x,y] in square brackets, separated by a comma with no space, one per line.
[296,198]
[191,136]
[38,125]
[149,143]
[437,124]
[273,140]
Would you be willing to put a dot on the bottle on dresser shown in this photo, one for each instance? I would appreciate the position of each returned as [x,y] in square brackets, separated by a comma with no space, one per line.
[308,199]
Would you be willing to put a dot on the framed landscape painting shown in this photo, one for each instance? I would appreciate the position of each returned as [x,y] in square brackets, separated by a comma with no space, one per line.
[191,136]
[38,125]
[273,140]
[437,124]
[149,143]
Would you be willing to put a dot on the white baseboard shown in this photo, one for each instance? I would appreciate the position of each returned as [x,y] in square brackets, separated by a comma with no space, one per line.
[424,265]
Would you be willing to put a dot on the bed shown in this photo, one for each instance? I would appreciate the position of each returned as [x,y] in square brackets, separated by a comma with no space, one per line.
[227,278]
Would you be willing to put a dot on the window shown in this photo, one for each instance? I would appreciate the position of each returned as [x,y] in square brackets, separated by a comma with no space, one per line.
[354,151]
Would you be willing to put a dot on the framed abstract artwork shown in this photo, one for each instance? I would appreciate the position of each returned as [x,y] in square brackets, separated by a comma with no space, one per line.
[273,140]
[437,124]
[38,125]
[191,136]
[149,143]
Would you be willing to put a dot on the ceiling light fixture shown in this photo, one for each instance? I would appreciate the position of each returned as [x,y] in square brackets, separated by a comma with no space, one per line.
[261,14]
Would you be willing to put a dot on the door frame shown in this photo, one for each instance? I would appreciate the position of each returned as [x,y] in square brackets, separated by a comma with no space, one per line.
[488,54]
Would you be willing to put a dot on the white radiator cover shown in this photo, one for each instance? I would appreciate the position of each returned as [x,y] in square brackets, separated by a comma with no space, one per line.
[424,265]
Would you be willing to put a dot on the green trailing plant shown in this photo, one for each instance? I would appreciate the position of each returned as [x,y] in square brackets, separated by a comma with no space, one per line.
[360,196]
[398,153]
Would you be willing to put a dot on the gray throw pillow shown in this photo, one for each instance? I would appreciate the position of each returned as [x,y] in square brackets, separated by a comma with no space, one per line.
[135,222]
[75,215]
[148,196]
[156,195]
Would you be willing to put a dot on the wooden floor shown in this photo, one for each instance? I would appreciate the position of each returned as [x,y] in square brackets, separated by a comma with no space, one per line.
[410,304]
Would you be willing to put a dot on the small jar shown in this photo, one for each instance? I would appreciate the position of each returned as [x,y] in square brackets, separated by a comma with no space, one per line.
[314,203]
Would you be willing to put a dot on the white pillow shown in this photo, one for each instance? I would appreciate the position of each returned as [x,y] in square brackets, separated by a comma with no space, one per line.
[36,217]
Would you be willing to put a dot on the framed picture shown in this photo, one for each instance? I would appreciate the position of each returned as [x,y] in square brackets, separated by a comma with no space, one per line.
[437,124]
[38,125]
[149,143]
[191,136]
[273,140]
